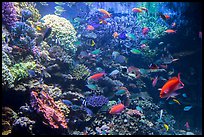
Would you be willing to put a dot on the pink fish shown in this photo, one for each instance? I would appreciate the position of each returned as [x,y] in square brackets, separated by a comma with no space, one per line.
[154,82]
[145,30]
[187,125]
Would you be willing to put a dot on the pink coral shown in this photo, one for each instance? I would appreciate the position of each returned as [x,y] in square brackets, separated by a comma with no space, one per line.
[45,105]
[134,112]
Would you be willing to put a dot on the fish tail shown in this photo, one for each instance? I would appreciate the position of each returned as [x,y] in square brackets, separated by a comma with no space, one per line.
[180,79]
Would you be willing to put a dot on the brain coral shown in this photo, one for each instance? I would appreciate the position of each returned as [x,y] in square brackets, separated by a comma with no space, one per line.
[62,30]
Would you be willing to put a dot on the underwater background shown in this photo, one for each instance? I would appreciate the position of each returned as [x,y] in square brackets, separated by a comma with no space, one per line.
[102,68]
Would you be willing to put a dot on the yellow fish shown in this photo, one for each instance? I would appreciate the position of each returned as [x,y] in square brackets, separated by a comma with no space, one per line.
[92,43]
[166,126]
[38,28]
[175,100]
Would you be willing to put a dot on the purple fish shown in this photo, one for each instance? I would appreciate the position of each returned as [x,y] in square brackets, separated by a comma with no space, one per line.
[122,36]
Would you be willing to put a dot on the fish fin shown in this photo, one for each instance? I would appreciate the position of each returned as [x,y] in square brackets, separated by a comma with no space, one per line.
[180,79]
[174,94]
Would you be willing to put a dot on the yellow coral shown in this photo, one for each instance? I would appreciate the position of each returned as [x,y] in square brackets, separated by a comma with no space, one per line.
[63,30]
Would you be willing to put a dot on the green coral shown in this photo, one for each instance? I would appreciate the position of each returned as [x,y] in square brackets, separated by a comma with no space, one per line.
[62,30]
[20,70]
[80,71]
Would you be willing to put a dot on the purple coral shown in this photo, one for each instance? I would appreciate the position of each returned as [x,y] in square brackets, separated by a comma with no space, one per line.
[8,14]
[96,101]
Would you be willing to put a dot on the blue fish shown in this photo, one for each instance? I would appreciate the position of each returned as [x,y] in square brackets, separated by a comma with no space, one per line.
[31,73]
[122,36]
[187,108]
[88,111]
[67,102]
[184,95]
[139,108]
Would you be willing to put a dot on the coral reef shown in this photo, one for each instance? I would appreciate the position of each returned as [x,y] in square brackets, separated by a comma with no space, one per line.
[31,7]
[62,30]
[8,14]
[20,70]
[96,101]
[8,116]
[64,108]
[80,71]
[45,106]
[23,124]
[23,35]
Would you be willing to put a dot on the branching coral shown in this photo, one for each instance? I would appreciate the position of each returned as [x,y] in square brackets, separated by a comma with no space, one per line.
[62,30]
[20,70]
[23,35]
[8,116]
[64,108]
[46,106]
[80,71]
[29,6]
[8,14]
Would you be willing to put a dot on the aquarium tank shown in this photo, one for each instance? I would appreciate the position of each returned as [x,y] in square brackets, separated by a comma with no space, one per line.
[101,68]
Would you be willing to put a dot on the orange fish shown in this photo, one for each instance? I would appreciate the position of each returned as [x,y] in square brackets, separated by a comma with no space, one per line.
[117,109]
[115,34]
[167,16]
[136,10]
[97,76]
[170,31]
[102,21]
[169,88]
[107,14]
[89,27]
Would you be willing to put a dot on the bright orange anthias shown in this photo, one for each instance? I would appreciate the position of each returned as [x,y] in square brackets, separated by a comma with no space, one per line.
[169,88]
[97,76]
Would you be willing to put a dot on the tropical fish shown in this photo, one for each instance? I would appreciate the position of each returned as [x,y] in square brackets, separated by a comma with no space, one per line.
[139,108]
[57,12]
[184,95]
[90,27]
[114,72]
[67,102]
[115,34]
[144,46]
[115,109]
[187,125]
[47,32]
[122,35]
[136,10]
[169,88]
[175,100]
[171,102]
[92,43]
[170,31]
[92,86]
[135,51]
[200,34]
[31,73]
[59,3]
[154,82]
[161,43]
[161,114]
[166,127]
[101,21]
[115,54]
[106,13]
[121,59]
[163,16]
[95,52]
[120,92]
[44,3]
[145,30]
[173,24]
[131,36]
[97,76]
[59,8]
[88,111]
[187,108]
[166,16]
